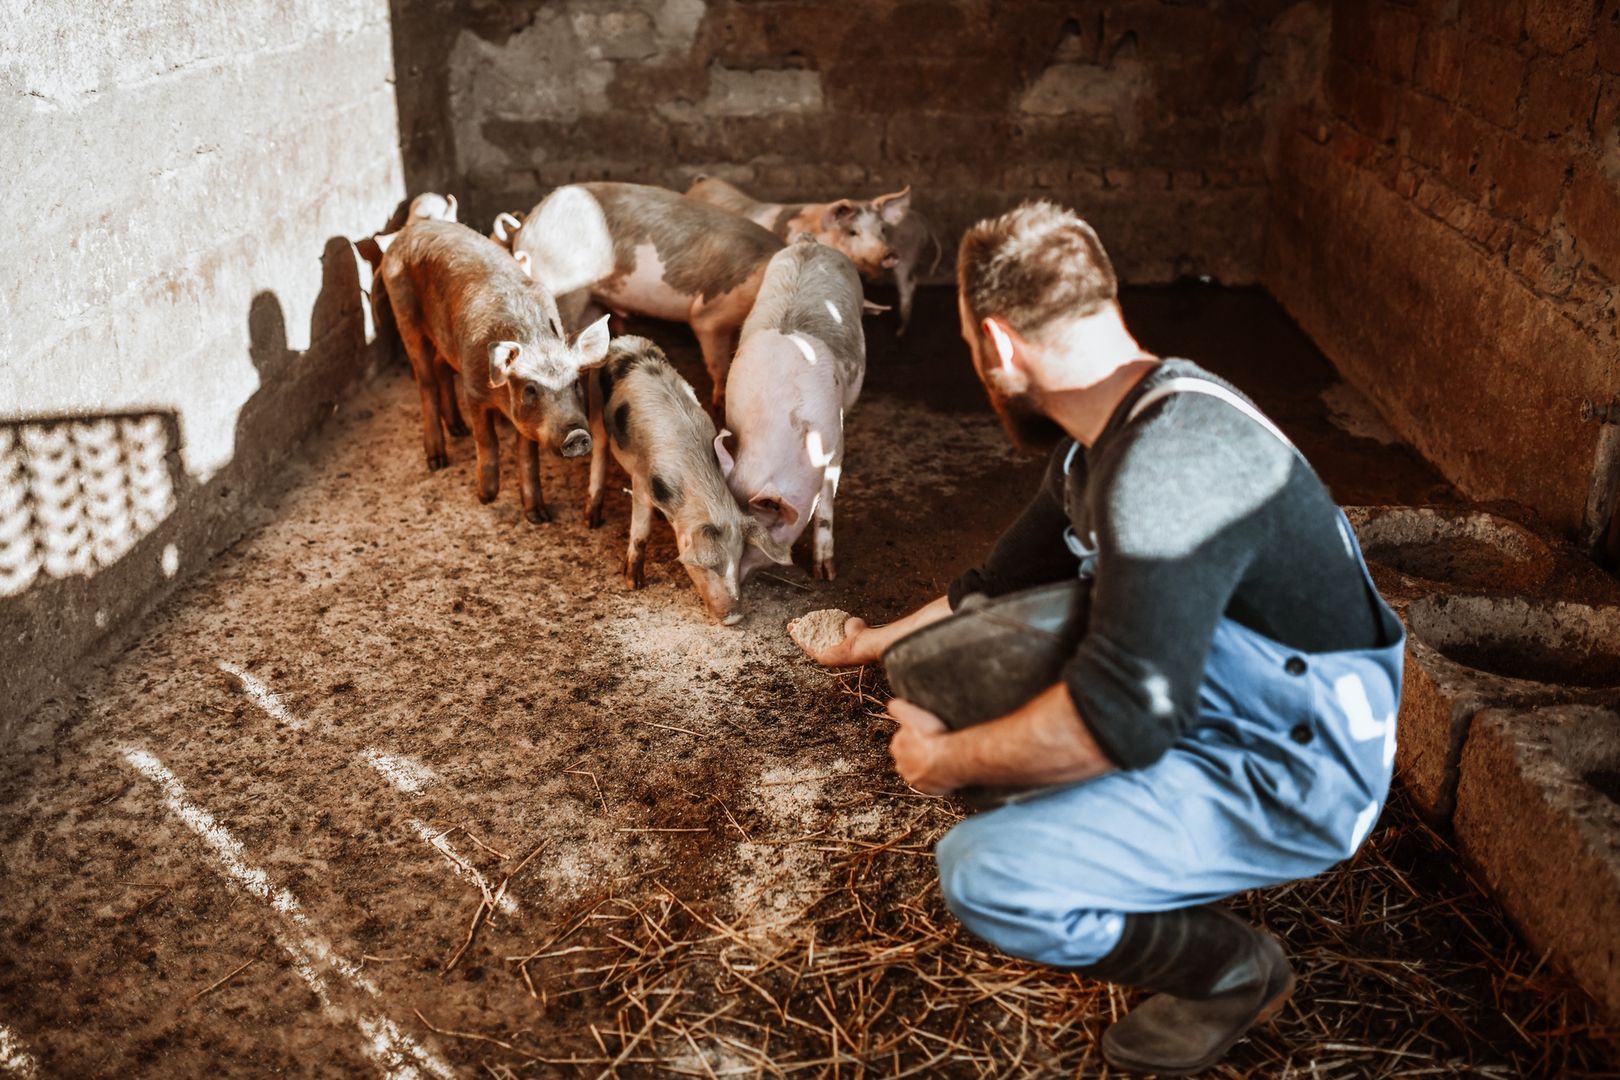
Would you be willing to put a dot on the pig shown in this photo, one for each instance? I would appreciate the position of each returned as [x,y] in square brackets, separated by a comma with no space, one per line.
[650,418]
[464,307]
[857,227]
[643,250]
[433,206]
[908,240]
[798,369]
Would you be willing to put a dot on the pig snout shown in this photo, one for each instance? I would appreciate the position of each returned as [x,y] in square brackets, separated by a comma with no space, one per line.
[723,604]
[577,443]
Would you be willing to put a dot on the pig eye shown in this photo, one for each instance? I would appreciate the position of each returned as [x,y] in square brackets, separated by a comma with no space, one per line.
[530,394]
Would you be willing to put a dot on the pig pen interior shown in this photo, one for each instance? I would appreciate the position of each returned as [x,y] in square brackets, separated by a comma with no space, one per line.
[315,765]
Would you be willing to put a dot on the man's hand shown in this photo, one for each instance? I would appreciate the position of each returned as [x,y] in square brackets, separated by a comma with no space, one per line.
[856,647]
[920,748]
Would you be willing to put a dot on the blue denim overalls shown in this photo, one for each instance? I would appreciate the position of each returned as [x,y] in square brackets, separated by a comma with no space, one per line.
[1282,777]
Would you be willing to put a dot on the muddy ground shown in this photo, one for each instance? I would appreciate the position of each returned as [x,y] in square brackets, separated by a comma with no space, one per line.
[402,784]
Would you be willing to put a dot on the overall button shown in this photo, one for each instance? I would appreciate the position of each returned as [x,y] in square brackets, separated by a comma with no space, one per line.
[1295,665]
[1302,734]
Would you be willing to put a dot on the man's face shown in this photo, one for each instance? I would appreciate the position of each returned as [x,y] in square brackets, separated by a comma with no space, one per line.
[1016,402]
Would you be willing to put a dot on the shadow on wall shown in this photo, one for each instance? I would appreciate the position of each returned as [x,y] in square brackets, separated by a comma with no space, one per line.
[98,515]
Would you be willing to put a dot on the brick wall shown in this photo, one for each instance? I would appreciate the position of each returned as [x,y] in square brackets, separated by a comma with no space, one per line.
[1150,115]
[180,303]
[1447,227]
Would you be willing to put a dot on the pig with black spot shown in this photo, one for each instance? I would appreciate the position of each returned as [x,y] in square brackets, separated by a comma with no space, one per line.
[660,435]
[642,250]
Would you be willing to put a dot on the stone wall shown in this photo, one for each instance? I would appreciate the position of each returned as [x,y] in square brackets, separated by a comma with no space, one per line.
[180,303]
[1149,115]
[1447,228]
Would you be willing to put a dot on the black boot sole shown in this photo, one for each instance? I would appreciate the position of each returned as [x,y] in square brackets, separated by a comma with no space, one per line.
[1272,1006]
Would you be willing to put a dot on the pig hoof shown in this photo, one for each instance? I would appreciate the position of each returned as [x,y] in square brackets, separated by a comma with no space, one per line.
[824,570]
[593,517]
[537,516]
[458,429]
[486,496]
[437,462]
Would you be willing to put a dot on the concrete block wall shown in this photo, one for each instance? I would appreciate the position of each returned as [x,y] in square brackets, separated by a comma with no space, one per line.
[1149,115]
[1447,228]
[179,303]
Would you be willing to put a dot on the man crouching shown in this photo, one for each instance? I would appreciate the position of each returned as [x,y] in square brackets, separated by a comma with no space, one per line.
[1227,721]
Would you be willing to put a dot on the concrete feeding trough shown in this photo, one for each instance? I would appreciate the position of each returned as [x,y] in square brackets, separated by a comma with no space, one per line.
[1462,548]
[1469,653]
[1538,811]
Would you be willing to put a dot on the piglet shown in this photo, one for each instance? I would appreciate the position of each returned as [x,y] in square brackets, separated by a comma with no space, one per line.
[857,227]
[643,250]
[798,369]
[463,306]
[660,435]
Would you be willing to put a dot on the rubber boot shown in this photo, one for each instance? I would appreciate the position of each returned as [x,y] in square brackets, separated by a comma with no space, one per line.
[1216,978]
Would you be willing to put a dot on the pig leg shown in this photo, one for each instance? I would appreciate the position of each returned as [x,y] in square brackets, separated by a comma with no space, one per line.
[822,543]
[635,560]
[489,455]
[424,358]
[599,454]
[907,286]
[718,341]
[528,463]
[447,401]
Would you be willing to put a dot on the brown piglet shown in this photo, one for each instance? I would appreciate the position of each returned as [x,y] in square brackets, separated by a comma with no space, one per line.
[464,307]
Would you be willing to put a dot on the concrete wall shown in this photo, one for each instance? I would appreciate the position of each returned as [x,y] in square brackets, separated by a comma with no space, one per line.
[1448,229]
[1150,115]
[178,304]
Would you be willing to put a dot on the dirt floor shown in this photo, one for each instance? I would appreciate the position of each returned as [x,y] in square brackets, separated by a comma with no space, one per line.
[404,784]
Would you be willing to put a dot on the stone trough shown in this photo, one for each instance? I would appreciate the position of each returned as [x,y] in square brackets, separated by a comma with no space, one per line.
[1464,548]
[1467,653]
[1510,720]
[1538,811]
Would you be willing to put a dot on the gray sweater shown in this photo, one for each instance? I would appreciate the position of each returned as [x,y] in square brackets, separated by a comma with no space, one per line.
[1195,512]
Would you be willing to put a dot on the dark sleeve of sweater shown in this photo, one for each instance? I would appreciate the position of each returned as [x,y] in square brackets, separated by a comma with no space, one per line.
[1031,551]
[1181,503]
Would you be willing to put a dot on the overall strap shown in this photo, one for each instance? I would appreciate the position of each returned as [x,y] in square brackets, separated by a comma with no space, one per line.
[1191,385]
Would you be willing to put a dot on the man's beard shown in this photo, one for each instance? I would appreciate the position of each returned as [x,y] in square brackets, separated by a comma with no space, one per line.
[1031,430]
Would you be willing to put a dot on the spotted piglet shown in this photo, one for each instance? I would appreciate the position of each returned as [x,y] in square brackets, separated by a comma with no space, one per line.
[799,367]
[650,418]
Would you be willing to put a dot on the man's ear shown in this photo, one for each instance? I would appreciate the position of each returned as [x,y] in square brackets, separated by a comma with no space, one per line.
[839,213]
[727,463]
[758,535]
[1001,340]
[892,208]
[591,347]
[503,355]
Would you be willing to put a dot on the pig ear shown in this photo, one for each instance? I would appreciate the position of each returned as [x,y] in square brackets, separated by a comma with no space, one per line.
[503,356]
[450,208]
[525,264]
[727,463]
[874,309]
[774,549]
[893,207]
[506,227]
[591,347]
[839,213]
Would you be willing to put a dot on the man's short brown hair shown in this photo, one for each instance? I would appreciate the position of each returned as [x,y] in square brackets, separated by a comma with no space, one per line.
[1034,265]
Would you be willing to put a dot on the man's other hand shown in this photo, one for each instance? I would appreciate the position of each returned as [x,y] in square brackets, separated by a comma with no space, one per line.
[920,748]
